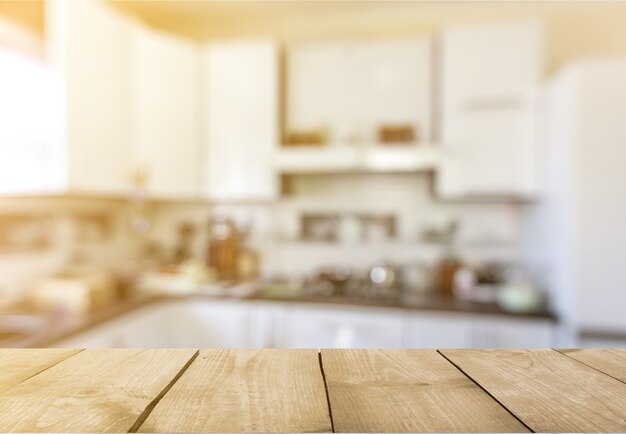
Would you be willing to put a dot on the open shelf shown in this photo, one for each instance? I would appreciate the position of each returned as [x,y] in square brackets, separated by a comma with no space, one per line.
[357,157]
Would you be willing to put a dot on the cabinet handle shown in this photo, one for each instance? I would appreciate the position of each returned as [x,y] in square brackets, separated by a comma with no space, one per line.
[480,104]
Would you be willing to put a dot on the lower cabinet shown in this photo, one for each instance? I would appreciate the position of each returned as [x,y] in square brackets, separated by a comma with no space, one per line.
[449,330]
[213,323]
[437,330]
[341,327]
[210,323]
[186,323]
[498,332]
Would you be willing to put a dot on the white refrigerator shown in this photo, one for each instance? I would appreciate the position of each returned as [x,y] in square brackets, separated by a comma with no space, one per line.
[576,230]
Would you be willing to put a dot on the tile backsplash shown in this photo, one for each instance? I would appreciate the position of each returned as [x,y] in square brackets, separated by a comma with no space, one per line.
[42,236]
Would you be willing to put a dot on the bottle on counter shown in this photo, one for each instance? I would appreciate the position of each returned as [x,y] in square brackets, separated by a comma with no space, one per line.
[444,275]
[223,248]
[448,265]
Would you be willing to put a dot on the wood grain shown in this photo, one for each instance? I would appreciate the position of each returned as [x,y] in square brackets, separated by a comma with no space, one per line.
[405,391]
[547,390]
[93,391]
[610,361]
[246,391]
[17,365]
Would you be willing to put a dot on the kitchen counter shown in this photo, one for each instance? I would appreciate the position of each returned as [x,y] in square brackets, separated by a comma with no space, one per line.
[58,325]
[61,326]
[220,390]
[426,302]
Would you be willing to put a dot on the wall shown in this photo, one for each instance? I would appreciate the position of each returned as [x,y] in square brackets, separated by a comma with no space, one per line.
[487,230]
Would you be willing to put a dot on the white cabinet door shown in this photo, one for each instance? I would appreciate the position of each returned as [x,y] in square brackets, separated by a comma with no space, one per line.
[437,330]
[491,65]
[144,327]
[342,327]
[241,120]
[267,324]
[88,44]
[491,75]
[165,101]
[512,333]
[352,88]
[105,336]
[210,323]
[187,323]
[489,153]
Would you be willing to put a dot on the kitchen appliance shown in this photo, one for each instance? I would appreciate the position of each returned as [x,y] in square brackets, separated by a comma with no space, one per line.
[575,235]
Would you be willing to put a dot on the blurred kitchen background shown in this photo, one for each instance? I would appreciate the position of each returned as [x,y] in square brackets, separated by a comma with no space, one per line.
[312,174]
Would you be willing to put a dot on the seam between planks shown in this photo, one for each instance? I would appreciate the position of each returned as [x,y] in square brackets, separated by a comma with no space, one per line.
[330,410]
[590,366]
[43,370]
[146,412]
[487,392]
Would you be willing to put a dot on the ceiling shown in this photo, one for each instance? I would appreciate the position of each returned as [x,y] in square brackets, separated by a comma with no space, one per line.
[214,19]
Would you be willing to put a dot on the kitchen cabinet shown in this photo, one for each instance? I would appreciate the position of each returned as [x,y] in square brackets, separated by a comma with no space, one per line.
[143,327]
[117,103]
[493,332]
[437,330]
[352,88]
[172,324]
[240,120]
[491,78]
[166,124]
[210,323]
[267,324]
[87,43]
[490,66]
[105,336]
[214,323]
[452,330]
[341,327]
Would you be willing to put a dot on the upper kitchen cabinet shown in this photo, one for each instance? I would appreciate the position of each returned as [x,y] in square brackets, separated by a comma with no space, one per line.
[347,93]
[351,89]
[491,66]
[491,77]
[165,102]
[241,120]
[114,108]
[87,43]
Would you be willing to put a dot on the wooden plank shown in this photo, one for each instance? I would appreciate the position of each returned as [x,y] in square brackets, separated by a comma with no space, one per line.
[610,361]
[407,391]
[93,391]
[547,390]
[17,365]
[246,391]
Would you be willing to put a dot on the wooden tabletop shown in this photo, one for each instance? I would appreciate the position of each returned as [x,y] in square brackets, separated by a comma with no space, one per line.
[219,390]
